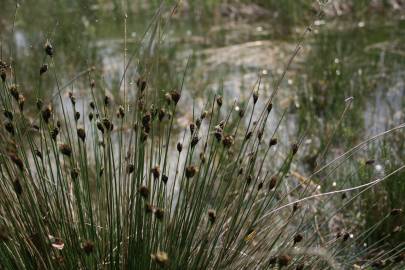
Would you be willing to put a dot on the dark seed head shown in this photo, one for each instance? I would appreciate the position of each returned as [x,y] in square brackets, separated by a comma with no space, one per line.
[273,182]
[81,134]
[192,128]
[298,238]
[54,133]
[21,102]
[38,153]
[269,107]
[212,216]
[219,101]
[88,247]
[179,147]
[77,116]
[100,126]
[14,91]
[9,127]
[148,208]
[48,49]
[296,206]
[228,141]
[160,258]
[91,116]
[146,119]
[130,168]
[203,115]
[194,141]
[161,114]
[92,83]
[74,173]
[346,236]
[3,74]
[396,212]
[300,266]
[46,114]
[92,105]
[260,186]
[165,178]
[107,124]
[17,187]
[159,213]
[175,97]
[141,84]
[4,235]
[294,148]
[370,162]
[17,161]
[255,96]
[65,149]
[43,69]
[191,171]
[8,114]
[273,141]
[248,135]
[107,101]
[155,172]
[144,191]
[284,260]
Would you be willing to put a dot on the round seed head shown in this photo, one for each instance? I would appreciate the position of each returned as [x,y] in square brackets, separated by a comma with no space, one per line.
[284,260]
[81,133]
[160,258]
[17,187]
[88,247]
[74,173]
[43,69]
[144,191]
[130,168]
[65,149]
[212,216]
[159,213]
[179,147]
[175,97]
[48,49]
[219,101]
[228,141]
[273,141]
[165,178]
[9,128]
[298,238]
[156,172]
[273,182]
[294,148]
[191,171]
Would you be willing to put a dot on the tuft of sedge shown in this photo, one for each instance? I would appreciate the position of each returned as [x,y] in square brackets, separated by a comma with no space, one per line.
[17,187]
[160,258]
[298,238]
[165,178]
[284,260]
[43,69]
[159,213]
[191,171]
[74,173]
[179,147]
[273,141]
[273,182]
[65,149]
[175,96]
[144,191]
[17,161]
[156,172]
[46,114]
[219,101]
[81,133]
[228,141]
[54,133]
[9,128]
[21,102]
[130,168]
[294,148]
[88,247]
[212,216]
[48,48]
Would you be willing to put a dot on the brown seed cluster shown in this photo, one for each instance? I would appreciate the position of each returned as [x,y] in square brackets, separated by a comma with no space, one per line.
[191,171]
[160,258]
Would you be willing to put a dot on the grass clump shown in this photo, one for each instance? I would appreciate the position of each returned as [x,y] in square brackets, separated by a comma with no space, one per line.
[113,184]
